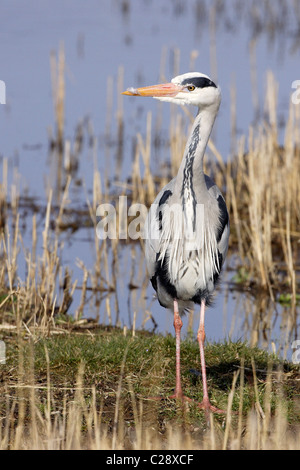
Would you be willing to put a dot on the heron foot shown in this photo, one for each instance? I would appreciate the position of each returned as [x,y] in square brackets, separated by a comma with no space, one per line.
[180,396]
[208,407]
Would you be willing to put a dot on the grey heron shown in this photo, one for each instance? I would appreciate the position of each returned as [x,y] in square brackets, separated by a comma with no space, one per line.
[187,229]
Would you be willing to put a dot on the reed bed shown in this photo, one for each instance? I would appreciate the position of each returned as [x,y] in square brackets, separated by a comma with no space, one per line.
[260,181]
[53,430]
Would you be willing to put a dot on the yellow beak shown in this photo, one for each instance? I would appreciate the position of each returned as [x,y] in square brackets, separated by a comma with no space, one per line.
[164,89]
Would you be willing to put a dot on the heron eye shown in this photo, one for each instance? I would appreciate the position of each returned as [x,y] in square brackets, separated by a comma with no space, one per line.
[191,87]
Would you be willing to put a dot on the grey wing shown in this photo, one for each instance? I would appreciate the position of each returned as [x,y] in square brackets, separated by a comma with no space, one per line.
[153,227]
[222,234]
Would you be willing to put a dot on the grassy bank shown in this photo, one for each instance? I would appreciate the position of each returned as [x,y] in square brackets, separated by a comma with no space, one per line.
[91,390]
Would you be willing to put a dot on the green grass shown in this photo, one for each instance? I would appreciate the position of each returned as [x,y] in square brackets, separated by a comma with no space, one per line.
[144,365]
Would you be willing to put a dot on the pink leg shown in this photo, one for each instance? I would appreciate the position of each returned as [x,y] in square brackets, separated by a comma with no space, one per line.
[178,389]
[178,325]
[205,404]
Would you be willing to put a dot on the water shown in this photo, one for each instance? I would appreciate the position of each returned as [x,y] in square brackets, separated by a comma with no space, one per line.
[98,38]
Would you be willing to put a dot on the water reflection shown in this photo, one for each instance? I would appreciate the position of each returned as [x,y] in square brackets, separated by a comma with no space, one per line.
[263,322]
[278,21]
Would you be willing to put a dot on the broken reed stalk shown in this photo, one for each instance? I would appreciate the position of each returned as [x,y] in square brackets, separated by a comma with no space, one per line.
[57,68]
[120,124]
[213,42]
[139,182]
[3,194]
[116,423]
[80,309]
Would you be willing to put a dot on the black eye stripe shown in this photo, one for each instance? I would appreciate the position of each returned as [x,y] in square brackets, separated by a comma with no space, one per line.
[199,82]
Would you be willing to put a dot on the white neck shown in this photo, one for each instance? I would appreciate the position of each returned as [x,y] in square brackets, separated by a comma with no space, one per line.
[191,167]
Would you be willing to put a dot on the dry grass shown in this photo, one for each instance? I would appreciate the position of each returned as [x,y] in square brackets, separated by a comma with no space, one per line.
[263,192]
[88,404]
[262,187]
[52,430]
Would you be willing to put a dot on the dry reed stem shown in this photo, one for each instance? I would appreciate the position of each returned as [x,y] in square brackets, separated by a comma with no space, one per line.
[57,69]
[78,425]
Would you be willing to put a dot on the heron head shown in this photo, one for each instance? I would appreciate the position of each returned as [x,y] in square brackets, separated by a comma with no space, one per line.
[192,88]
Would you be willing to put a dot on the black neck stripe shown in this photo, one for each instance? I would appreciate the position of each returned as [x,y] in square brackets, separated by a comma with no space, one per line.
[199,82]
